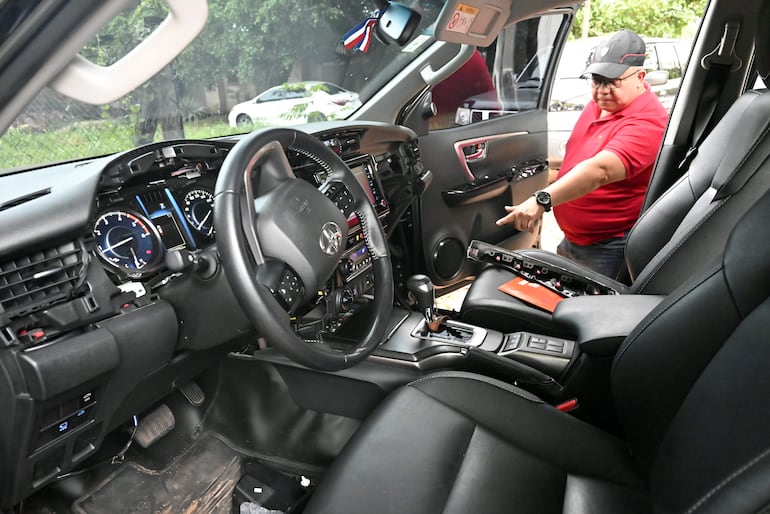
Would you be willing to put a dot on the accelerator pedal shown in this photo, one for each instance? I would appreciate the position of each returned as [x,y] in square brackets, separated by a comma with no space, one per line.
[154,426]
[193,393]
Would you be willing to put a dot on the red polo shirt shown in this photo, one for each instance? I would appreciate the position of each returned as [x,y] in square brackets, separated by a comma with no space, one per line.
[633,134]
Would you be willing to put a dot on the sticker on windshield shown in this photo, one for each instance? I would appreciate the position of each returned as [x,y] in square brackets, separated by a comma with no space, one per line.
[462,18]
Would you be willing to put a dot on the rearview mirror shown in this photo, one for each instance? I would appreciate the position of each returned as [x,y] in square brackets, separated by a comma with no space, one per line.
[397,24]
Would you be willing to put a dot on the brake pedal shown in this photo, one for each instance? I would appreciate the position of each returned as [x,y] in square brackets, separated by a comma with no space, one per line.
[154,426]
[193,393]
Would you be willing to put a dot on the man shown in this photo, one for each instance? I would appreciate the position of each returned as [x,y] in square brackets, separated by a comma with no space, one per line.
[600,188]
[471,79]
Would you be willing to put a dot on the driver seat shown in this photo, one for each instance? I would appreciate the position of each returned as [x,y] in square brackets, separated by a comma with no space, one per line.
[689,385]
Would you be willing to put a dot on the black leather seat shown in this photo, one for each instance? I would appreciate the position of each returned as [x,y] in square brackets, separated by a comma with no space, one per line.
[682,233]
[690,388]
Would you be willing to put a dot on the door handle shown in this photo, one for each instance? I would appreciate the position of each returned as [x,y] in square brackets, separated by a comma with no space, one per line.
[475,152]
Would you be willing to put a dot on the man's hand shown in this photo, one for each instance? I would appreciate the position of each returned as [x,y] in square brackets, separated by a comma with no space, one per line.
[524,216]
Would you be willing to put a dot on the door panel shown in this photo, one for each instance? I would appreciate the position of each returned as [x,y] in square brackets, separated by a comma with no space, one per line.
[494,155]
[472,184]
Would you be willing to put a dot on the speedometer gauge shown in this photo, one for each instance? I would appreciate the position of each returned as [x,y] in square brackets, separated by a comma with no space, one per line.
[199,210]
[127,240]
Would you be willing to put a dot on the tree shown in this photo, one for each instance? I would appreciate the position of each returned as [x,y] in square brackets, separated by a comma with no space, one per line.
[651,18]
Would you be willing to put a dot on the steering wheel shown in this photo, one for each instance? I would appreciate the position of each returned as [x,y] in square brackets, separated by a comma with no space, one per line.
[280,240]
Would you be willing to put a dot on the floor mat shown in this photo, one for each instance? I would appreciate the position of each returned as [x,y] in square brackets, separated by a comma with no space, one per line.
[200,481]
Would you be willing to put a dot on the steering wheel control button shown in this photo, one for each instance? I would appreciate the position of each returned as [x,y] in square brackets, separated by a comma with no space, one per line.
[339,194]
[289,289]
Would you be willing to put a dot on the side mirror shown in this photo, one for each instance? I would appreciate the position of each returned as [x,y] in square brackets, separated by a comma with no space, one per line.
[656,78]
[397,24]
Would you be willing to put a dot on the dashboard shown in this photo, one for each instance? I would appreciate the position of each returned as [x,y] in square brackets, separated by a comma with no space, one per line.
[99,315]
[157,203]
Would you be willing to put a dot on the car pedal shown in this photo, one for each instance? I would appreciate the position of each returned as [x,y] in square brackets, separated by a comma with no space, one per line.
[193,393]
[154,426]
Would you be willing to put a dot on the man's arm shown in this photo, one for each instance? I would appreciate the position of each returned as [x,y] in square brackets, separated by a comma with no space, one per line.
[601,169]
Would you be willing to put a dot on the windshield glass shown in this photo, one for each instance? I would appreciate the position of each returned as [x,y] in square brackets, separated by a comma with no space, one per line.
[256,63]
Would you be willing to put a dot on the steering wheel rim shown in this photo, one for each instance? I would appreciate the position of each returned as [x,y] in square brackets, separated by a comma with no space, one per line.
[237,233]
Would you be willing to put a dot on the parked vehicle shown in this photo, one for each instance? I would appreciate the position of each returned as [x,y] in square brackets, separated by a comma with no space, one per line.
[295,103]
[196,317]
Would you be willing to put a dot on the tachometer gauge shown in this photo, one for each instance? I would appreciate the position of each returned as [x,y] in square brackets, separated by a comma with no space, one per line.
[127,241]
[199,211]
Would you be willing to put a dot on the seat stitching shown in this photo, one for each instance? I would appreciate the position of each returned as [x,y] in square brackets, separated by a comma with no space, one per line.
[650,319]
[747,156]
[681,242]
[727,480]
[500,385]
[476,426]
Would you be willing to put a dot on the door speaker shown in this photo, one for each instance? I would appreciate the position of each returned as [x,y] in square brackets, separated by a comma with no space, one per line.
[448,258]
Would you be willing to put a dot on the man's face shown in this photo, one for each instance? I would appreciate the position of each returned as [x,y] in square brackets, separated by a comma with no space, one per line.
[613,95]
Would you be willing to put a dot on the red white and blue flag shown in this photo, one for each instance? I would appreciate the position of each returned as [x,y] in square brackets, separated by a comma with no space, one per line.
[360,36]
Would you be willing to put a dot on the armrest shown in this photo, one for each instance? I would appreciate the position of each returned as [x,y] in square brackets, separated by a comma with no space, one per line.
[601,323]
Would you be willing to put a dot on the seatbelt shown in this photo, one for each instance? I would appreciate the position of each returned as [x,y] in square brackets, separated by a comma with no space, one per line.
[720,63]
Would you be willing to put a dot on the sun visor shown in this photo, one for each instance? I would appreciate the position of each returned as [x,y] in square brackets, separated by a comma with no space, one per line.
[472,22]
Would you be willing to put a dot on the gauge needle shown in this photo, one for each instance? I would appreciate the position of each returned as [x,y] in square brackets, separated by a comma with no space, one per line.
[208,214]
[119,243]
[136,260]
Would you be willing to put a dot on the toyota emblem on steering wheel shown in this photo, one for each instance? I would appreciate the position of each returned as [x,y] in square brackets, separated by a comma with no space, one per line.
[331,238]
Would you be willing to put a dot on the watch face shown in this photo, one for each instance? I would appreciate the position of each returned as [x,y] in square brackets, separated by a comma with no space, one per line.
[543,198]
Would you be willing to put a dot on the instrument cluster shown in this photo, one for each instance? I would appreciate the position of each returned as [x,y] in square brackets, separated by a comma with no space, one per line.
[137,225]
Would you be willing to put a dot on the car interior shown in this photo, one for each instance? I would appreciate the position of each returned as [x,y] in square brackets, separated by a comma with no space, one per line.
[248,322]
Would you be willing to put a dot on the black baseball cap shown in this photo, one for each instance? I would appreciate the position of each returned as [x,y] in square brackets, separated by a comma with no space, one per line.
[614,56]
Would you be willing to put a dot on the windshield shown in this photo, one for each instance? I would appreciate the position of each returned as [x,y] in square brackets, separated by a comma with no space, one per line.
[256,63]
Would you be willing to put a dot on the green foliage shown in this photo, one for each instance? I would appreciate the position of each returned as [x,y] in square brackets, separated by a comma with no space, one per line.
[651,18]
[33,147]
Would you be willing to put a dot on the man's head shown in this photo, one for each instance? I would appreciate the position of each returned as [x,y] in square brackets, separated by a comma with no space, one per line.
[613,57]
[616,71]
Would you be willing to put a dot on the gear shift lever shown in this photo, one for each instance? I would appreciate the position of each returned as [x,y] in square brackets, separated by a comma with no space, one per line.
[422,289]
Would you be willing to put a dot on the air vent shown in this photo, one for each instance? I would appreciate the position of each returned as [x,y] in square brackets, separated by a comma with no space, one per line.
[38,280]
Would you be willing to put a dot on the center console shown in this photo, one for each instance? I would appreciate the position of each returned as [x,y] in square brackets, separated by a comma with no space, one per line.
[554,368]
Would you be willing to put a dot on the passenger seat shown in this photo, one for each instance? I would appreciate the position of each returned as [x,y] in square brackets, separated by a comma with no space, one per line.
[680,235]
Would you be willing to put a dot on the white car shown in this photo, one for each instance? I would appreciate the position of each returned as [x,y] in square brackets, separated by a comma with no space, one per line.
[295,103]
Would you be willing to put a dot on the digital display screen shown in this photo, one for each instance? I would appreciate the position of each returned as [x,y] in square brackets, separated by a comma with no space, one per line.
[360,175]
[359,254]
[169,231]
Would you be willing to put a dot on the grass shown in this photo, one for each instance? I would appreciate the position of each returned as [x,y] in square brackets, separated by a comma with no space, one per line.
[25,146]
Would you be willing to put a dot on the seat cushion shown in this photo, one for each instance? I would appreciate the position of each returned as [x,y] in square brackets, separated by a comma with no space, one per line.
[458,442]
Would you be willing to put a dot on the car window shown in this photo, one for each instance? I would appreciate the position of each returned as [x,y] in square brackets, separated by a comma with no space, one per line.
[272,96]
[210,88]
[332,89]
[668,60]
[651,60]
[296,93]
[505,78]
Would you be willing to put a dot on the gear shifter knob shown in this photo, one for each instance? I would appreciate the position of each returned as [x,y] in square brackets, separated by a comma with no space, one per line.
[422,289]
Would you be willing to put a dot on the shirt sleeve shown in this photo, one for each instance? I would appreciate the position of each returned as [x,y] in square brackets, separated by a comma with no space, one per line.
[637,141]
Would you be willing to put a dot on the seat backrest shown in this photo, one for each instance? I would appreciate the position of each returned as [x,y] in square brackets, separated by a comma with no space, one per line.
[690,384]
[685,230]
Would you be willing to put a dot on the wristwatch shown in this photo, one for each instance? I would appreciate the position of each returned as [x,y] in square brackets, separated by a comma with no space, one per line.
[543,198]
